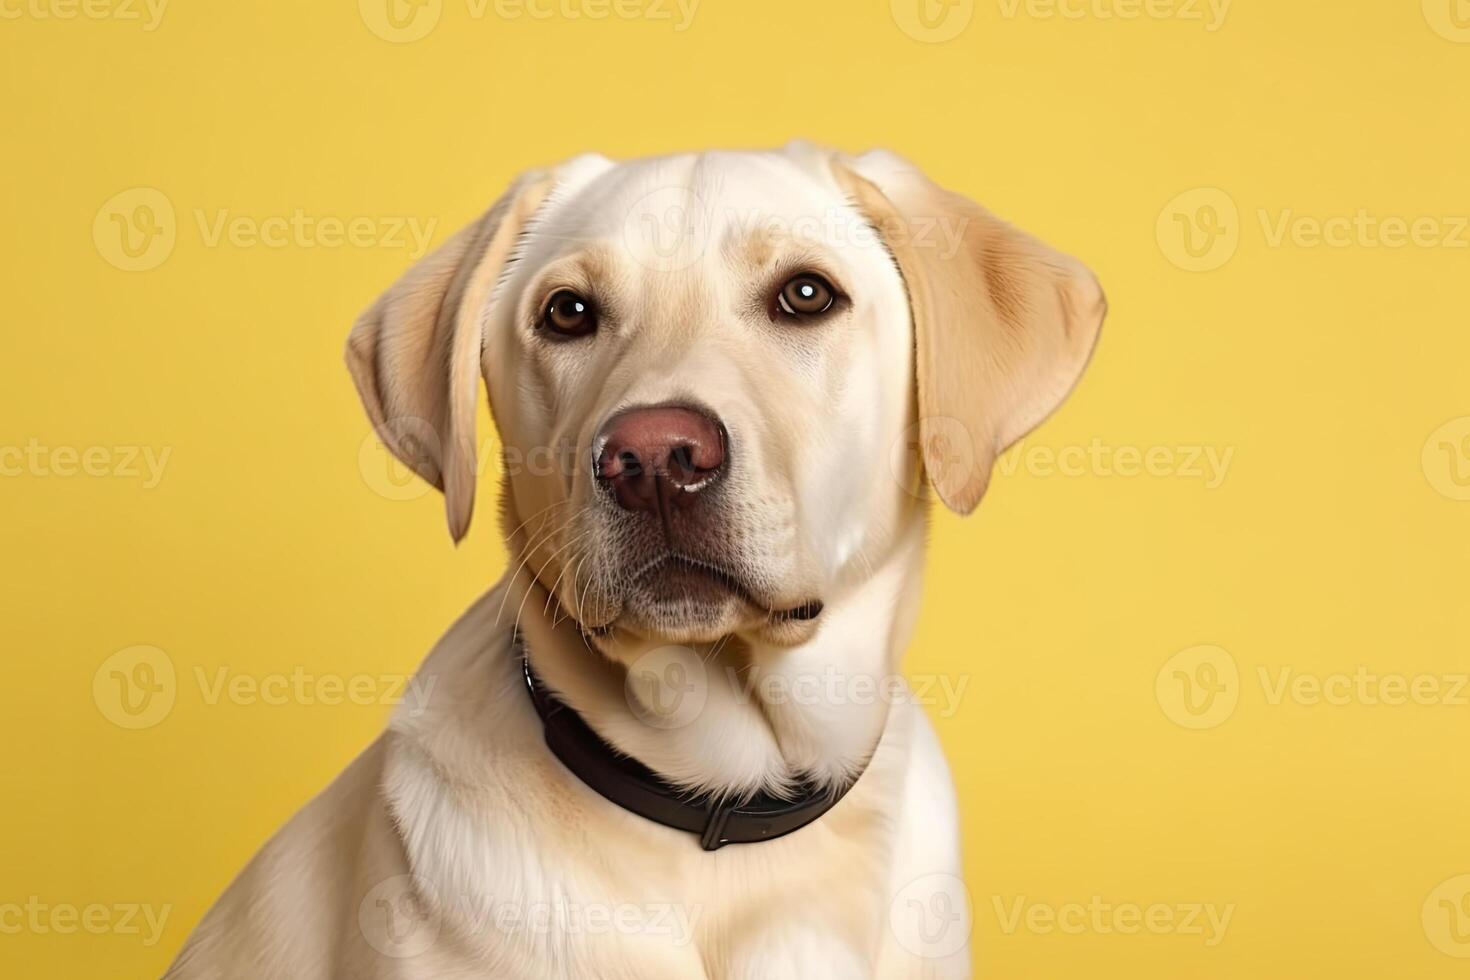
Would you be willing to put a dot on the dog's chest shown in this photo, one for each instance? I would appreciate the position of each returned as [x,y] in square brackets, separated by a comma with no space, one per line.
[546,879]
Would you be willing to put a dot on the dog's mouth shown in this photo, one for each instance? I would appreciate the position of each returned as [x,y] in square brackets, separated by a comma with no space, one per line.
[676,578]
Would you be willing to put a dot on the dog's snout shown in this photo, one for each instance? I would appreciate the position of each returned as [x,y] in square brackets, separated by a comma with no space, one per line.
[662,455]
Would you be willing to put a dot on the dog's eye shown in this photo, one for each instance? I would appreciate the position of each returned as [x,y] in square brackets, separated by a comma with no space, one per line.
[806,295]
[569,315]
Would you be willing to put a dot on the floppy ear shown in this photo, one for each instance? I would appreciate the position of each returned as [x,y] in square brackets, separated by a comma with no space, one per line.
[415,354]
[1003,323]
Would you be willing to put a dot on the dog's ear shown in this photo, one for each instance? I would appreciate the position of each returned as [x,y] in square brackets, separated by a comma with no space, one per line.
[1003,323]
[415,354]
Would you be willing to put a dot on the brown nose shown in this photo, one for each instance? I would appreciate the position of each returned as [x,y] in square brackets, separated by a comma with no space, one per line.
[665,453]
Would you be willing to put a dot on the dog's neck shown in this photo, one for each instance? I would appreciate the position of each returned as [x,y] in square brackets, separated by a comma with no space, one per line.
[734,717]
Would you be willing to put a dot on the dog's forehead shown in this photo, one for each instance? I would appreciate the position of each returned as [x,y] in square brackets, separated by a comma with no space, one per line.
[649,208]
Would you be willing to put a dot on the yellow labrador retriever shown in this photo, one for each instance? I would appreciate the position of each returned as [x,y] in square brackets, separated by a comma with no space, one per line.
[672,741]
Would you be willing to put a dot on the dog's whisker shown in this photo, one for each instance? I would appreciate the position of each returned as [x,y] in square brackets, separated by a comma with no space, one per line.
[536,580]
[551,592]
[532,544]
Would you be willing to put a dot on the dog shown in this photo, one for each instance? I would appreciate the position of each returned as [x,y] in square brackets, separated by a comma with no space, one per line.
[672,742]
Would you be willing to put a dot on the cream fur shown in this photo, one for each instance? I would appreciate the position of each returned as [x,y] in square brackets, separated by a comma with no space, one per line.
[456,845]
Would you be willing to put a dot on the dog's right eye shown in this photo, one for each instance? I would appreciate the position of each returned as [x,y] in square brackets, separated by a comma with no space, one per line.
[569,315]
[805,297]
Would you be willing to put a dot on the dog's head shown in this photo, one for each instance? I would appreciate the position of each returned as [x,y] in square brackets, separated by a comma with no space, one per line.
[719,377]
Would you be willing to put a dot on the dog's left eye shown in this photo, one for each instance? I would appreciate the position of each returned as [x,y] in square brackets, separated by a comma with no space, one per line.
[806,295]
[569,315]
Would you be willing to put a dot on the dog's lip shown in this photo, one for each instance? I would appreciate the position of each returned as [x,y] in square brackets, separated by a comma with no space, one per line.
[803,612]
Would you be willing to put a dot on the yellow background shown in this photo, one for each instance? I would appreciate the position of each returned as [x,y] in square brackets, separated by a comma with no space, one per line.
[1334,541]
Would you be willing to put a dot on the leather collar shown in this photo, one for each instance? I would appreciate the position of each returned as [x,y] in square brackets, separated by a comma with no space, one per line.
[636,788]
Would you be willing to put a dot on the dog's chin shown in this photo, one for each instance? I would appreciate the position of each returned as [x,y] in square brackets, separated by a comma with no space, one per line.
[681,601]
[683,604]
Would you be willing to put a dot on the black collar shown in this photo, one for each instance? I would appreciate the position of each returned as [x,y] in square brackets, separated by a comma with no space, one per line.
[638,789]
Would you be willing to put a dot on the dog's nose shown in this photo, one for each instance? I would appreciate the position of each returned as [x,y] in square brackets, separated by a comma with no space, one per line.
[662,453]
